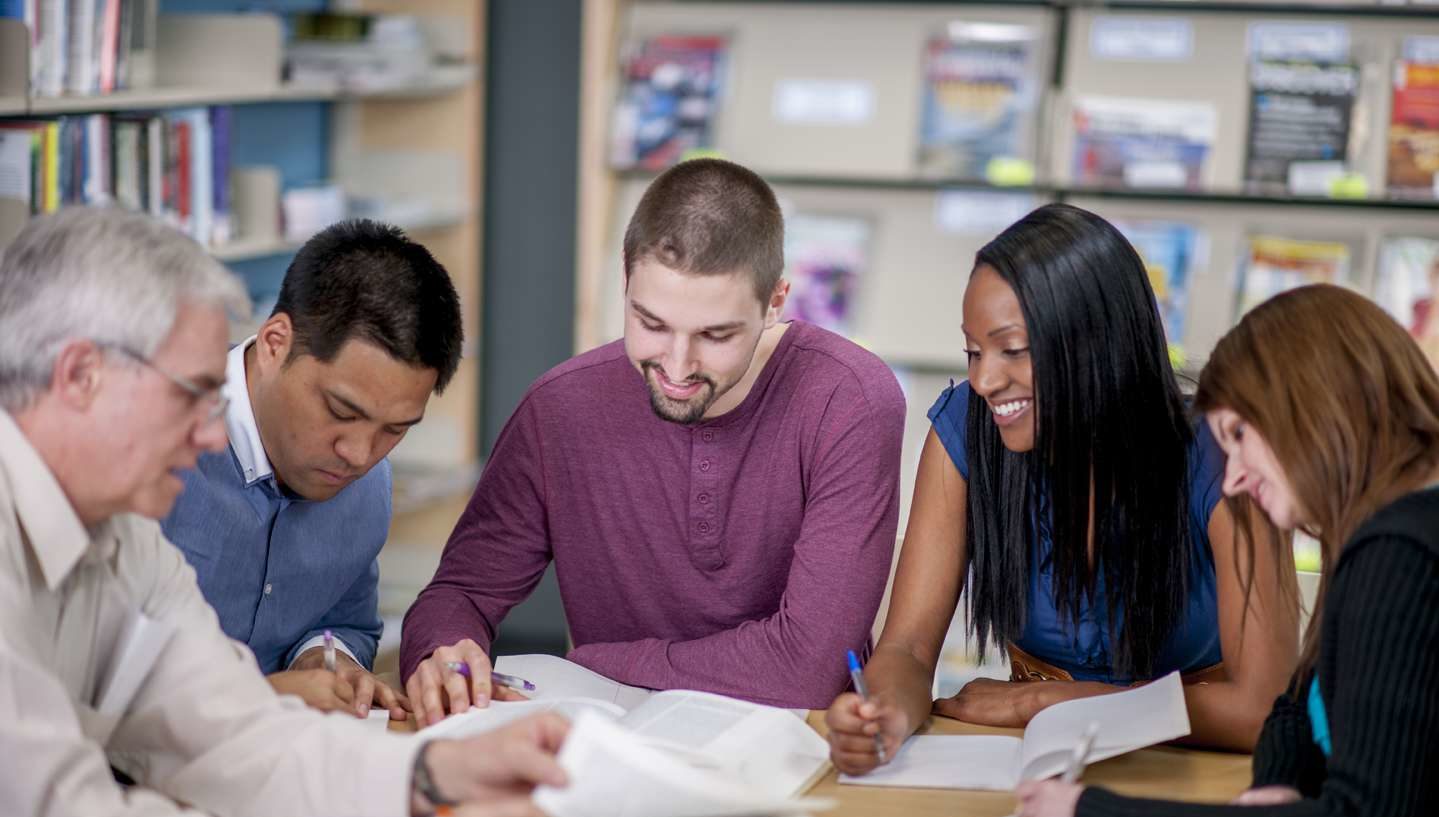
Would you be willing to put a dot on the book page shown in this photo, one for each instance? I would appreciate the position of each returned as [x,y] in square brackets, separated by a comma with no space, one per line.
[988,762]
[555,677]
[499,713]
[614,773]
[770,749]
[1128,720]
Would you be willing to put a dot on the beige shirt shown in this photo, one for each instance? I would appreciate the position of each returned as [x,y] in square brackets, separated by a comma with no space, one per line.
[203,731]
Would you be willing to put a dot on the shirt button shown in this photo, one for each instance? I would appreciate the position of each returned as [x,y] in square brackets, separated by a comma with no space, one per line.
[703,527]
[705,465]
[704,499]
[268,588]
[708,436]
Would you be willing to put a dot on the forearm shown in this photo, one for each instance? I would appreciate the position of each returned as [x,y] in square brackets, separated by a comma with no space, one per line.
[897,673]
[1225,715]
[441,616]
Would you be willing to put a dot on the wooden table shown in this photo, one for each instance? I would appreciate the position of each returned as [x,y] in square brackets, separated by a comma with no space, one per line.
[1170,773]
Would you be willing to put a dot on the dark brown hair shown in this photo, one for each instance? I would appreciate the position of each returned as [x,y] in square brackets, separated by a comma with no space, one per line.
[1346,401]
[710,217]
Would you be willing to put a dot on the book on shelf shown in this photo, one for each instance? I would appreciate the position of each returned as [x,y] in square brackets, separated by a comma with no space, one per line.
[1300,119]
[1274,263]
[826,256]
[641,753]
[669,97]
[1407,285]
[979,100]
[1170,252]
[88,47]
[1142,143]
[173,165]
[1413,158]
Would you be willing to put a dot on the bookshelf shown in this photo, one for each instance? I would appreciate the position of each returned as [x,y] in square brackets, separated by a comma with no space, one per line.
[411,151]
[906,308]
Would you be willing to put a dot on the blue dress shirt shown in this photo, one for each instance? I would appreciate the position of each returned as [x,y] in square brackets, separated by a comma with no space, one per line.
[280,570]
[1086,654]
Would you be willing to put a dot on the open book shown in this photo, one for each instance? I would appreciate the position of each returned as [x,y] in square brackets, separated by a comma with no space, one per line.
[1128,720]
[737,757]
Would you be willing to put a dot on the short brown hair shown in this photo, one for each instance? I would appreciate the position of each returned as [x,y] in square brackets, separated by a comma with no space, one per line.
[709,217]
[1346,401]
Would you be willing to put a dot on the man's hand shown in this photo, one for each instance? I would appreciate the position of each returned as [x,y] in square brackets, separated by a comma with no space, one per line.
[1047,798]
[349,688]
[493,774]
[436,690]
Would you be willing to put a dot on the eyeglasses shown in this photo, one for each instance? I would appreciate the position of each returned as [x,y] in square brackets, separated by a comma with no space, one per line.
[215,395]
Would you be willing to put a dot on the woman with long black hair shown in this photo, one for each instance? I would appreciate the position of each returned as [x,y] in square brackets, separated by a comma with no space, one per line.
[1329,415]
[1065,488]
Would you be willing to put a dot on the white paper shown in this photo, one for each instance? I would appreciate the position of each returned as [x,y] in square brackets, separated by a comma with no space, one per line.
[1141,39]
[1321,42]
[828,102]
[613,773]
[15,164]
[555,677]
[379,719]
[1128,720]
[979,212]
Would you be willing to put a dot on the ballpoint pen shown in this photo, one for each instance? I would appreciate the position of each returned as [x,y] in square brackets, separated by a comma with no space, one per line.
[329,651]
[857,676]
[511,681]
[1081,753]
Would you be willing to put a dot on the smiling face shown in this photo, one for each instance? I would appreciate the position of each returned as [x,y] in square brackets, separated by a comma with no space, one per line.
[694,337]
[1251,468]
[325,424]
[997,344]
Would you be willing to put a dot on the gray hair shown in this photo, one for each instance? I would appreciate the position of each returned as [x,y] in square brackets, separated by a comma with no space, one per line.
[101,273]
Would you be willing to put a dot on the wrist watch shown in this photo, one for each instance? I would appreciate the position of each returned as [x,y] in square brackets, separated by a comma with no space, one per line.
[424,781]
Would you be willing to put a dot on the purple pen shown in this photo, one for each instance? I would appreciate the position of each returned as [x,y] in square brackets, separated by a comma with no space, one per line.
[511,681]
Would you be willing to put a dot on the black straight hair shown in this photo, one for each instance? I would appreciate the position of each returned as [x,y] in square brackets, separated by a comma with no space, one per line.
[361,279]
[1110,425]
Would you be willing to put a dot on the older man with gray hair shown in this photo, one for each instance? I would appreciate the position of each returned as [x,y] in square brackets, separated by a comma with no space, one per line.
[112,355]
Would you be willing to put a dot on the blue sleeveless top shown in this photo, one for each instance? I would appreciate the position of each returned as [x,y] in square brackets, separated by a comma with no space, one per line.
[1087,654]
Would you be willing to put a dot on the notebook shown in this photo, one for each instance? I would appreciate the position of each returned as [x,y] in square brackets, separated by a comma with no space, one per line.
[737,757]
[1128,720]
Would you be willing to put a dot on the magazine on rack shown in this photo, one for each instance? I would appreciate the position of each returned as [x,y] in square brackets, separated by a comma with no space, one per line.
[1170,251]
[669,96]
[1300,116]
[1414,130]
[1156,143]
[979,99]
[1273,264]
[1407,285]
[826,257]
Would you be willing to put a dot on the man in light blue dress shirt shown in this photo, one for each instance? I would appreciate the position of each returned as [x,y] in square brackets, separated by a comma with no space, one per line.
[284,526]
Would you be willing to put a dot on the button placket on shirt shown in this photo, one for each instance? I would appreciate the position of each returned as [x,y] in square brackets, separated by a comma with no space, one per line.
[704,516]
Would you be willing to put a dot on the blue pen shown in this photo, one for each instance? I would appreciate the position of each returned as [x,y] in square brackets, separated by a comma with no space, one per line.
[857,676]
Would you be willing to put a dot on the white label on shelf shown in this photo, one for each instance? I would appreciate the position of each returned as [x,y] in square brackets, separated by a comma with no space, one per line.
[979,212]
[1421,49]
[1155,174]
[1275,40]
[1141,39]
[15,165]
[823,101]
[1313,178]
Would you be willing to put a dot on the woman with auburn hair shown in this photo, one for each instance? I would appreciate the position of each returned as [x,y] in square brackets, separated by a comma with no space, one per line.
[1329,415]
[1067,491]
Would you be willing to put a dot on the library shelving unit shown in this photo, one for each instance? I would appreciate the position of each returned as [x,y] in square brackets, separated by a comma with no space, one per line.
[417,145]
[925,229]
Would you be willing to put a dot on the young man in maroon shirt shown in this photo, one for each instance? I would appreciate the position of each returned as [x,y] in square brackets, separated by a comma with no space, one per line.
[718,491]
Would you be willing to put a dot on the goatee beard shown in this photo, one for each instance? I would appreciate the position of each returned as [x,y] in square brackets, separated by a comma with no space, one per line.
[686,412]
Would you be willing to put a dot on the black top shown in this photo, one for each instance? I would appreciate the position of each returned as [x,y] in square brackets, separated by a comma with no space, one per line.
[1378,671]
